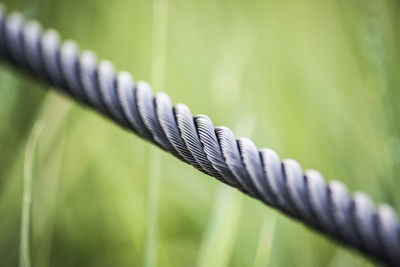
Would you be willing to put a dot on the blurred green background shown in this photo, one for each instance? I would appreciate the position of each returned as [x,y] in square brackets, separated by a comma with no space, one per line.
[316,81]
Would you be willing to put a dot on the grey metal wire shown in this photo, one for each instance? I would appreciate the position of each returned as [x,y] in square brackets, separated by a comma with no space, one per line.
[305,196]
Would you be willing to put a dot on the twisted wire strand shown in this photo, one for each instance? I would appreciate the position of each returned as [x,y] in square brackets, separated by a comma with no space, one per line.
[326,207]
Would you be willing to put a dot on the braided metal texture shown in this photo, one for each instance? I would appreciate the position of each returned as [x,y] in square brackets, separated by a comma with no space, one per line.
[326,207]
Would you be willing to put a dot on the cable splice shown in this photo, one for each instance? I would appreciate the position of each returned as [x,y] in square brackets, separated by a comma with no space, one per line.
[326,207]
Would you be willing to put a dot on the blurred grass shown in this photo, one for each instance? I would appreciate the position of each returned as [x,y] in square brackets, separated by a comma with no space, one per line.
[318,79]
[24,249]
[154,163]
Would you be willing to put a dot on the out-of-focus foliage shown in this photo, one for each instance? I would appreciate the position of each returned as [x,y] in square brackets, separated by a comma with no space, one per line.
[315,80]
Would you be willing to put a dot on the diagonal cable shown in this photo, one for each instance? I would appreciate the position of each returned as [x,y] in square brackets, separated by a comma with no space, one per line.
[326,207]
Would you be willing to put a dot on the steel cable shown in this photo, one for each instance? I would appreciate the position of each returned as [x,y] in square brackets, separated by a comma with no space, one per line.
[326,207]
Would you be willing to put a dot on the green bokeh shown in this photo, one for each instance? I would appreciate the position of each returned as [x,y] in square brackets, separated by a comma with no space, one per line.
[316,81]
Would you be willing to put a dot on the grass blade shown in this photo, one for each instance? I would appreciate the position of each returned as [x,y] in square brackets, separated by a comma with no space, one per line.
[221,231]
[160,19]
[24,254]
[154,168]
[266,240]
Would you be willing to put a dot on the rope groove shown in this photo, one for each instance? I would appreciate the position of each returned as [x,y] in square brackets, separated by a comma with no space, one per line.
[327,207]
